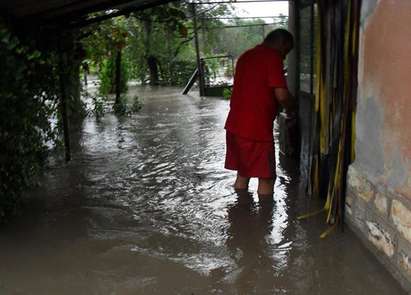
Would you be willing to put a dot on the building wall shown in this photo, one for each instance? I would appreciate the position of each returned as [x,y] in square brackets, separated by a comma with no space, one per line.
[379,181]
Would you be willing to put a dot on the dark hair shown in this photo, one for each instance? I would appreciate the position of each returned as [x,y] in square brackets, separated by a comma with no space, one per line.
[279,35]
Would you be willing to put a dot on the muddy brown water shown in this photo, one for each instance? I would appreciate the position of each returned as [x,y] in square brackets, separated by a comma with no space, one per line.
[145,207]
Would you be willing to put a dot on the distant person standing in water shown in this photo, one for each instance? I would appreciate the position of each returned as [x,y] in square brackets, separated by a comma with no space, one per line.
[86,71]
[259,88]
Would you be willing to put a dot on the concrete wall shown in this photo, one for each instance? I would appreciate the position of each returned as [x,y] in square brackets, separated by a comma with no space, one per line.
[379,181]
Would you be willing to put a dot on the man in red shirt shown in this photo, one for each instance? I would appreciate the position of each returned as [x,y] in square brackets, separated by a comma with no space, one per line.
[259,87]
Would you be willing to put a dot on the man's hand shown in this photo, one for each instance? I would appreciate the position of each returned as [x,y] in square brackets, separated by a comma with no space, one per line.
[285,98]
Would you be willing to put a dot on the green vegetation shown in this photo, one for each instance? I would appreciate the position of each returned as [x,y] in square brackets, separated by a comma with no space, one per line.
[28,95]
[127,106]
[227,92]
[107,76]
[156,45]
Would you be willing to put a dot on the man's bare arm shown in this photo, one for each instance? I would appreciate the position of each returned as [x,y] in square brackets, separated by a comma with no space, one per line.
[285,98]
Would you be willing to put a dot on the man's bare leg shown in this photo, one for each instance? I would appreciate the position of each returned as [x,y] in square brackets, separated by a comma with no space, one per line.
[265,189]
[241,183]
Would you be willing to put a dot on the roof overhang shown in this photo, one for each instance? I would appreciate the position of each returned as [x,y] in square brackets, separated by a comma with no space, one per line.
[79,13]
[71,12]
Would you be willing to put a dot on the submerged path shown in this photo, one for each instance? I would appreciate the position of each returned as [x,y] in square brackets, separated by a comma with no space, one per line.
[145,207]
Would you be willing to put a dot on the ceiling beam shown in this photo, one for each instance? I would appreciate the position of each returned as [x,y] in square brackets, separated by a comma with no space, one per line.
[125,11]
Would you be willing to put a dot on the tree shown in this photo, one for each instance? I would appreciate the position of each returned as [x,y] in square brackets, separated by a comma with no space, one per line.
[159,43]
[103,44]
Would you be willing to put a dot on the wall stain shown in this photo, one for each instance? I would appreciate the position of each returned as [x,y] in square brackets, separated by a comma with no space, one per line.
[384,71]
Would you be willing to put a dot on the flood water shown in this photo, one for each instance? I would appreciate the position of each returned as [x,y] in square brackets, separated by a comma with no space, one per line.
[146,207]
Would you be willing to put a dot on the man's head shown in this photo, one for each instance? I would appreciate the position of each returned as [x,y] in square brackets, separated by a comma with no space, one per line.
[280,39]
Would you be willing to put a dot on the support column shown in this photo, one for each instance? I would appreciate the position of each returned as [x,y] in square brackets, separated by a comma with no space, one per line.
[289,127]
[63,99]
[197,48]
[293,56]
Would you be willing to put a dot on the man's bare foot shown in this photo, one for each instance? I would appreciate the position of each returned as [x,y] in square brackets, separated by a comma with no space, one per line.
[265,187]
[244,197]
[241,190]
[266,198]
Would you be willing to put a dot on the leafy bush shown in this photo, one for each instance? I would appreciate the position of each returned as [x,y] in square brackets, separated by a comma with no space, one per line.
[124,108]
[97,107]
[227,92]
[28,92]
[120,108]
[180,72]
[107,77]
[136,105]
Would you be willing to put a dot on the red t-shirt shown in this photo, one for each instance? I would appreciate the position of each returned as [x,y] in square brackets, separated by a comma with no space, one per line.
[253,106]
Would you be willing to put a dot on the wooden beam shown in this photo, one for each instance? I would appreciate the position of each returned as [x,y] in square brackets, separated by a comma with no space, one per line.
[293,55]
[235,2]
[76,13]
[83,10]
[126,11]
[190,82]
[63,104]
[47,10]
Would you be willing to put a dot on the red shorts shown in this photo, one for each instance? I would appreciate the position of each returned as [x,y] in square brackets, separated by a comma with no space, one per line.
[250,158]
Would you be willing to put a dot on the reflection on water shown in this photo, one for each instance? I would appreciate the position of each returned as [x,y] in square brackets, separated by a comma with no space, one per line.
[145,207]
[250,225]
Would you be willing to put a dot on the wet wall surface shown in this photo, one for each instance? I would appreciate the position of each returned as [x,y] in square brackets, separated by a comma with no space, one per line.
[383,143]
[146,207]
